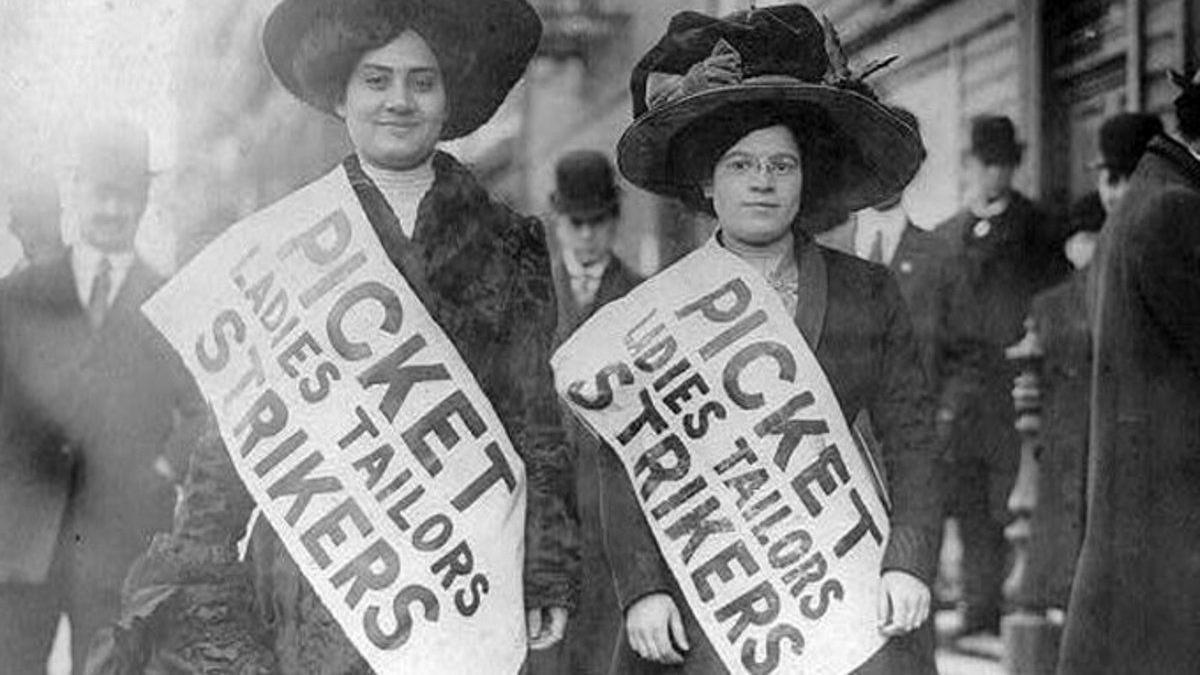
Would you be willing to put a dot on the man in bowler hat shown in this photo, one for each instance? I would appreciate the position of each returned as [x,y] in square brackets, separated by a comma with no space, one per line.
[90,399]
[1060,320]
[1003,254]
[586,205]
[587,209]
[1136,592]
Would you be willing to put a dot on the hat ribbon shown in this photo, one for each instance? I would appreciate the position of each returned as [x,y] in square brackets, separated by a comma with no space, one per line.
[723,68]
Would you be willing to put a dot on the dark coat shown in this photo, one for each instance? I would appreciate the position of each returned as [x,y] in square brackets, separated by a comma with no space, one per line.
[1135,605]
[853,314]
[616,281]
[86,411]
[996,271]
[923,271]
[483,273]
[593,630]
[1060,320]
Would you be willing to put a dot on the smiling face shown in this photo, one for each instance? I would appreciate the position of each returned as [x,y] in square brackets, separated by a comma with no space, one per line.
[755,186]
[110,209]
[395,103]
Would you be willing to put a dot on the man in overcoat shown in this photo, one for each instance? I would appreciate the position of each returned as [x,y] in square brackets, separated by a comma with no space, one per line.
[1003,253]
[1135,603]
[1061,322]
[91,400]
[587,275]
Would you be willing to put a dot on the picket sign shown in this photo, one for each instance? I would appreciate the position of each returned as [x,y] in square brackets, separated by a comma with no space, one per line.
[762,504]
[361,434]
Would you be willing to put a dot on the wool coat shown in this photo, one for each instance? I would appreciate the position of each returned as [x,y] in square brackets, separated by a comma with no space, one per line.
[999,265]
[483,272]
[593,630]
[852,315]
[1135,604]
[88,417]
[1060,321]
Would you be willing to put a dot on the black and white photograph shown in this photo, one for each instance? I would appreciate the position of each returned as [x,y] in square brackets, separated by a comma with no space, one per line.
[599,337]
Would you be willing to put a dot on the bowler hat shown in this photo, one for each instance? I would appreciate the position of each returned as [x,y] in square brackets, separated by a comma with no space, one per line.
[994,140]
[113,147]
[491,42]
[1123,139]
[585,186]
[786,62]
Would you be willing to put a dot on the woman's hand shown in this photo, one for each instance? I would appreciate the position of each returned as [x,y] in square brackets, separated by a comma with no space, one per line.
[903,603]
[655,627]
[546,626]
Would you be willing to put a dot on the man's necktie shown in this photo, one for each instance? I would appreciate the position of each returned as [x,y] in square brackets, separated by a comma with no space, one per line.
[101,288]
[585,284]
[876,254]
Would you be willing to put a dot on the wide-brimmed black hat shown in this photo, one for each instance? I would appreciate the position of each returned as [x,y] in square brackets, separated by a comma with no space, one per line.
[585,185]
[490,41]
[787,63]
[994,141]
[1123,139]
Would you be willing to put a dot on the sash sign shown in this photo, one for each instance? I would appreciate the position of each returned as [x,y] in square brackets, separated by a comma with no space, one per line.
[360,433]
[742,462]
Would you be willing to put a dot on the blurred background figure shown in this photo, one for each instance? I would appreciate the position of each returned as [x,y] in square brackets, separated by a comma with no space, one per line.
[1060,318]
[1002,255]
[1123,139]
[886,234]
[587,211]
[35,219]
[586,205]
[91,397]
[1136,592]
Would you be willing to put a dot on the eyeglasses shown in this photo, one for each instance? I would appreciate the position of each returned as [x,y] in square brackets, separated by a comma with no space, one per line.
[776,166]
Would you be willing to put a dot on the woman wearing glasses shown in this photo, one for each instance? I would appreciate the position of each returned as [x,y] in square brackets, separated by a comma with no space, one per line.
[754,120]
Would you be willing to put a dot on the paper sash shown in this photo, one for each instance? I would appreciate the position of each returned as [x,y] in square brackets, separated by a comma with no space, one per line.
[741,461]
[360,432]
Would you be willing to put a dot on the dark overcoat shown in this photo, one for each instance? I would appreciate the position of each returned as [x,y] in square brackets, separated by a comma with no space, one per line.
[1135,605]
[593,630]
[1060,320]
[108,397]
[483,272]
[852,314]
[923,271]
[998,266]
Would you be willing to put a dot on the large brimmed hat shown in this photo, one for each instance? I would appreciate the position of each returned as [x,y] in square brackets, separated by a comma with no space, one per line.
[491,41]
[785,60]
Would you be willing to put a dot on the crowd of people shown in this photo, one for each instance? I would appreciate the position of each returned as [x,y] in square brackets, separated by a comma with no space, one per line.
[120,505]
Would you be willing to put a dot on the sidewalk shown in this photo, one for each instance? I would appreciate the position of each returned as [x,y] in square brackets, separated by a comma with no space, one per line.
[974,655]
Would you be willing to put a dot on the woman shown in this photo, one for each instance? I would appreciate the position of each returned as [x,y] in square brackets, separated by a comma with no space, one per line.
[402,75]
[747,120]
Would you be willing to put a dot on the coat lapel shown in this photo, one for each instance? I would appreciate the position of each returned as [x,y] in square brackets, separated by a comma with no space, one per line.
[814,291]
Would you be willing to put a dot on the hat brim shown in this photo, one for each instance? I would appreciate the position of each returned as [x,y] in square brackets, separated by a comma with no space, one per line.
[889,151]
[499,36]
[589,211]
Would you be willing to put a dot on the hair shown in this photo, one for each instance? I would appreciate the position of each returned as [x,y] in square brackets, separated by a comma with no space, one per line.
[1187,110]
[343,32]
[695,151]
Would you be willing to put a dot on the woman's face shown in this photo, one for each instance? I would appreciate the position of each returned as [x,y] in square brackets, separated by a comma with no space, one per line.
[755,188]
[395,103]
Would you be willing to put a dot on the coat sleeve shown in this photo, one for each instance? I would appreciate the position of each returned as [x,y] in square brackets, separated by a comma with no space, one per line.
[551,525]
[903,408]
[637,566]
[189,599]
